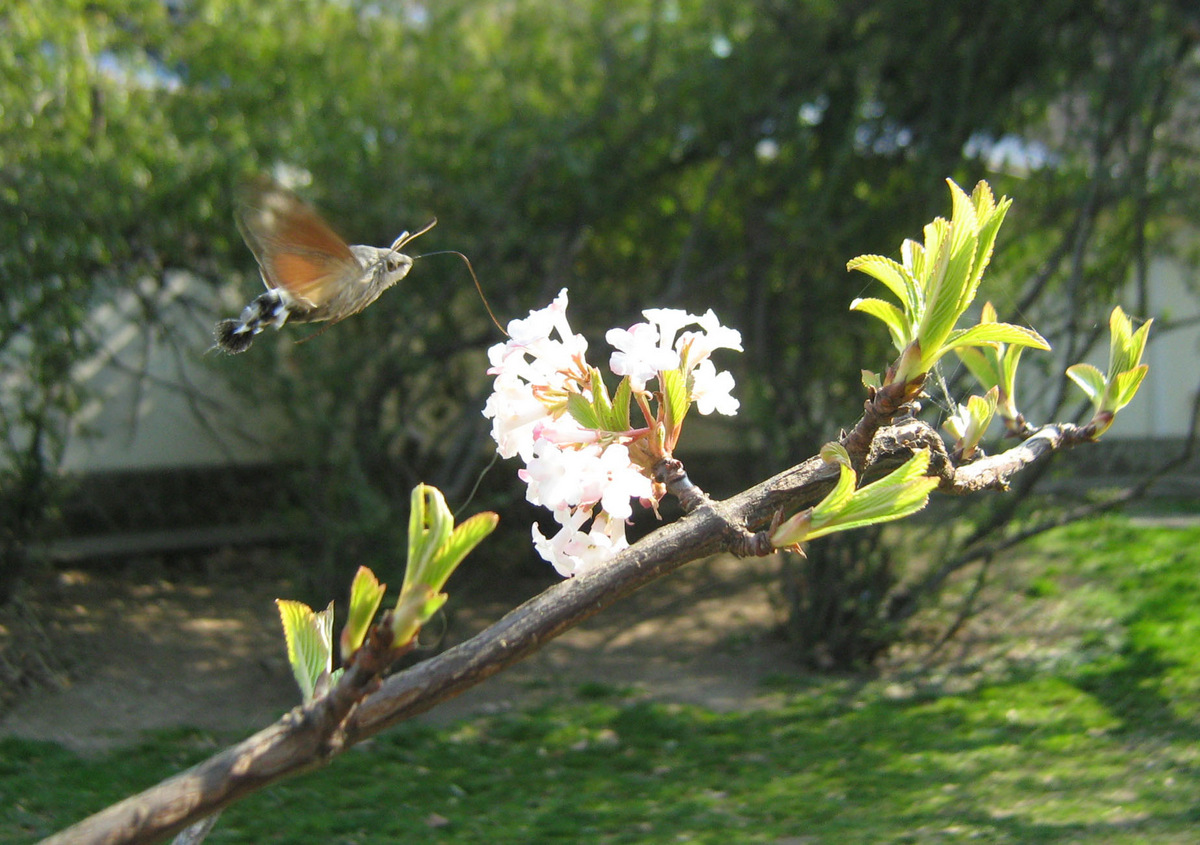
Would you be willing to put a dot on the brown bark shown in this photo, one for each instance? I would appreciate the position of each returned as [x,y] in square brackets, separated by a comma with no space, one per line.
[360,707]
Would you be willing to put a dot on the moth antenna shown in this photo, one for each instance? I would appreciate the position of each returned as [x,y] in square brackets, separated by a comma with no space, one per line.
[405,238]
[470,270]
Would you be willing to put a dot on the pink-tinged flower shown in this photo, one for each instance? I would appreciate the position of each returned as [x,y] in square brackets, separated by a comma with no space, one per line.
[638,354]
[581,478]
[534,372]
[559,478]
[515,413]
[588,475]
[711,390]
[573,551]
[623,482]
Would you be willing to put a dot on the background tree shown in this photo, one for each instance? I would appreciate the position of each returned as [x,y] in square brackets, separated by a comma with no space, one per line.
[722,154]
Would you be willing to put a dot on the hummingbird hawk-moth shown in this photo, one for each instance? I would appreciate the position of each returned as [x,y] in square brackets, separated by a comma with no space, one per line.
[311,274]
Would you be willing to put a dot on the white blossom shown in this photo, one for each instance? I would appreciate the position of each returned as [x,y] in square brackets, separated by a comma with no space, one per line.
[533,375]
[587,477]
[638,354]
[711,390]
[669,321]
[573,551]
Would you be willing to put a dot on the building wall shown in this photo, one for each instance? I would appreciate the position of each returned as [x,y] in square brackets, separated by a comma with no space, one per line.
[157,403]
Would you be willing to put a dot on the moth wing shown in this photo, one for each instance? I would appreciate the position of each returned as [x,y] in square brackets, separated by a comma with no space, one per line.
[295,248]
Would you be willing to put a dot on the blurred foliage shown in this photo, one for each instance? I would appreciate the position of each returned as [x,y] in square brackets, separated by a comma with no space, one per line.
[723,154]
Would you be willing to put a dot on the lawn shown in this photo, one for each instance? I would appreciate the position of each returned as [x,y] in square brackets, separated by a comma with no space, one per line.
[1096,744]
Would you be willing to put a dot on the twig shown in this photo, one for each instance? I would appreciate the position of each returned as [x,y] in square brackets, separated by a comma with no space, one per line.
[356,709]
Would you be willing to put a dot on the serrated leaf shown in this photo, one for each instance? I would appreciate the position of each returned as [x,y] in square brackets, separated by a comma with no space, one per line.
[1125,386]
[1126,345]
[941,315]
[1137,343]
[461,543]
[932,254]
[429,525]
[891,316]
[895,496]
[601,403]
[989,228]
[309,638]
[983,407]
[1090,380]
[891,273]
[835,453]
[1120,329]
[582,411]
[996,333]
[980,363]
[675,398]
[964,224]
[838,498]
[1008,367]
[983,199]
[621,405]
[366,593]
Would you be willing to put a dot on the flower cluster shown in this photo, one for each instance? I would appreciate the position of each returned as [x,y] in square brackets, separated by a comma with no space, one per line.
[583,458]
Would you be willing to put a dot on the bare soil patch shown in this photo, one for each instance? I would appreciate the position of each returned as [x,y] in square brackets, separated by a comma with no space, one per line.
[145,648]
[140,649]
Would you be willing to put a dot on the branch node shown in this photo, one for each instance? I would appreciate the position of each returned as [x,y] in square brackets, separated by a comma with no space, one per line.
[745,543]
[669,472]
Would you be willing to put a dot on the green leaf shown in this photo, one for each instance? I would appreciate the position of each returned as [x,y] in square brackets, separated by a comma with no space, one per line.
[995,333]
[990,215]
[1008,367]
[983,407]
[675,397]
[309,638]
[892,274]
[601,403]
[983,200]
[892,317]
[429,525]
[1137,343]
[835,453]
[621,405]
[582,411]
[838,498]
[1120,329]
[366,593]
[1125,345]
[1090,380]
[895,496]
[1126,385]
[981,362]
[462,542]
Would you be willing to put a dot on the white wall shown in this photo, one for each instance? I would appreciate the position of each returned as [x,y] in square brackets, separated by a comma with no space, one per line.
[160,405]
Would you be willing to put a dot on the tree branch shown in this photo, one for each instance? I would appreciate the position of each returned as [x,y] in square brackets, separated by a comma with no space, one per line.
[359,707]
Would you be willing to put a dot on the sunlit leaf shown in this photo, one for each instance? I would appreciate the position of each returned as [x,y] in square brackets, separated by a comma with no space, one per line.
[1089,379]
[309,638]
[996,333]
[891,316]
[366,593]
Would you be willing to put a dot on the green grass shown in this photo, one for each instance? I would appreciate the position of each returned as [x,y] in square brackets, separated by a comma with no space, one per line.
[1102,749]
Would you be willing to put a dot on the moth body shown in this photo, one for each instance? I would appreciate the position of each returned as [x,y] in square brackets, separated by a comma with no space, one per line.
[311,274]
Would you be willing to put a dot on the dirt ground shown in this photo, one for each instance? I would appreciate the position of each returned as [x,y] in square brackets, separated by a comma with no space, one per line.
[146,648]
[141,650]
